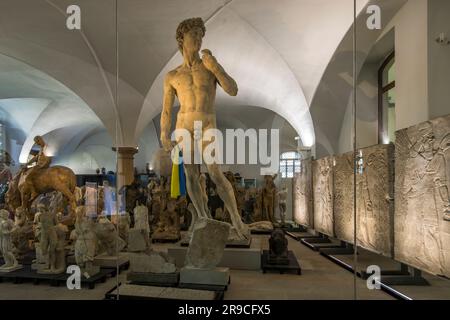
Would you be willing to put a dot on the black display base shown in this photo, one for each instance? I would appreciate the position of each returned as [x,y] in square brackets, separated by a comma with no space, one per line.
[206,287]
[236,245]
[92,281]
[111,295]
[414,279]
[154,279]
[293,265]
[342,249]
[404,271]
[290,228]
[26,274]
[262,231]
[123,267]
[161,240]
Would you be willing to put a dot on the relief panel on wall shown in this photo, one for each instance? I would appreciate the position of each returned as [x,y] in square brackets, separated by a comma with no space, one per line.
[374,200]
[323,195]
[343,197]
[374,193]
[422,200]
[302,195]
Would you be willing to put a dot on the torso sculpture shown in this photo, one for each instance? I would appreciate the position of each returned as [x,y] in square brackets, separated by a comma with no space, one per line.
[268,194]
[194,83]
[282,196]
[28,184]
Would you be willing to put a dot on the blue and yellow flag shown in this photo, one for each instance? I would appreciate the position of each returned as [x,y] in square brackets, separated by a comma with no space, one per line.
[178,179]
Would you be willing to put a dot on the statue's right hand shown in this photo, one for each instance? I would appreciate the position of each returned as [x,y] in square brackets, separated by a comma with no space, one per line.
[167,144]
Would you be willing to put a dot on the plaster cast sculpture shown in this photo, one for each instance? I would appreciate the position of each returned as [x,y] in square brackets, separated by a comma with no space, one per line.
[323,195]
[48,238]
[144,262]
[56,252]
[28,184]
[22,233]
[422,200]
[85,243]
[139,235]
[122,222]
[268,197]
[6,245]
[109,242]
[282,196]
[169,223]
[278,245]
[343,197]
[194,84]
[302,195]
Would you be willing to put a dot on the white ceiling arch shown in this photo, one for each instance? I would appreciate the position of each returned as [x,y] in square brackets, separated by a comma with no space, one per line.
[276,50]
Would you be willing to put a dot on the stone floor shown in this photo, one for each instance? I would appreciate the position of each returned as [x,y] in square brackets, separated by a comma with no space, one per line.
[321,279]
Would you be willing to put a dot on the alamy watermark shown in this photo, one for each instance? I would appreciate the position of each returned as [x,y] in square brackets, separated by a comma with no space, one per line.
[207,146]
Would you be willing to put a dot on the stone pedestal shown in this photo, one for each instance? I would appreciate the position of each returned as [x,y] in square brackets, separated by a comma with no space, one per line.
[208,277]
[207,244]
[105,261]
[154,262]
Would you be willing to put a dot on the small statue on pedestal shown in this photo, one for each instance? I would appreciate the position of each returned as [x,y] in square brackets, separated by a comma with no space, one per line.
[268,193]
[282,195]
[6,246]
[278,245]
[85,243]
[169,224]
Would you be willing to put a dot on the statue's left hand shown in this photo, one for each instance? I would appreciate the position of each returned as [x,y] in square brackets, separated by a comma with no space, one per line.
[209,61]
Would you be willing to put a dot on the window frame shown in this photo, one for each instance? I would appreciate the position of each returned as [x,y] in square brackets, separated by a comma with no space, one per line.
[382,89]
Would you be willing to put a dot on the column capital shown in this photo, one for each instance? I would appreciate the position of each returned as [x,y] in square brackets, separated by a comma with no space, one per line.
[126,150]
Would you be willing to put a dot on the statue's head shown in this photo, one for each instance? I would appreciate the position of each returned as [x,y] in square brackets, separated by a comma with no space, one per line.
[39,141]
[190,33]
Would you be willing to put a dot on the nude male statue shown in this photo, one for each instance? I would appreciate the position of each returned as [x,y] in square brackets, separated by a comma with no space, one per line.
[194,83]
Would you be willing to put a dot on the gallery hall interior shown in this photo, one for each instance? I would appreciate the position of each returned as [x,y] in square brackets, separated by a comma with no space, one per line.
[224,150]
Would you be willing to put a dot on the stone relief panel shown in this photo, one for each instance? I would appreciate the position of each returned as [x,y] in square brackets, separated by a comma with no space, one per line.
[323,195]
[302,195]
[422,201]
[374,199]
[343,197]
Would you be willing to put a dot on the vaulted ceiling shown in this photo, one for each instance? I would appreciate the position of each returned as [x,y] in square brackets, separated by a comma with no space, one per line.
[62,82]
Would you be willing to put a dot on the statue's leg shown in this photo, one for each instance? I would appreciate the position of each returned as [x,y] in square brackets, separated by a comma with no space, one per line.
[194,189]
[226,193]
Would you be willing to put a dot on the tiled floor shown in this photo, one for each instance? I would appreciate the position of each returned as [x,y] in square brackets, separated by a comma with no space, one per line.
[321,279]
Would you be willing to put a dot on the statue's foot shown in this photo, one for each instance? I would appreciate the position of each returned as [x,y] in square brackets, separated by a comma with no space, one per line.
[239,234]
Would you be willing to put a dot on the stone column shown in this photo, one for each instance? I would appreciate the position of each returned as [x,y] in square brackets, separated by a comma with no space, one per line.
[125,165]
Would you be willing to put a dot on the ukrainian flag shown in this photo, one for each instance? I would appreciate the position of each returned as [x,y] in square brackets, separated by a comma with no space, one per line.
[178,179]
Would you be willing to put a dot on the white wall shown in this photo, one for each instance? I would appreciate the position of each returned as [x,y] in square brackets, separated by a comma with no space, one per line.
[438,59]
[411,52]
[366,112]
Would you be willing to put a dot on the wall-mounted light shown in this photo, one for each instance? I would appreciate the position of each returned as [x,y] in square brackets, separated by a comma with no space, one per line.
[443,39]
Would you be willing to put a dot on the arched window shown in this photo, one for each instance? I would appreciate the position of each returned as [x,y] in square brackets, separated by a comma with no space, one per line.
[289,164]
[386,100]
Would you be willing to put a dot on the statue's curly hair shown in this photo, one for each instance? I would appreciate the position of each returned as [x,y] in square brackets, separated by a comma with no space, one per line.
[186,26]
